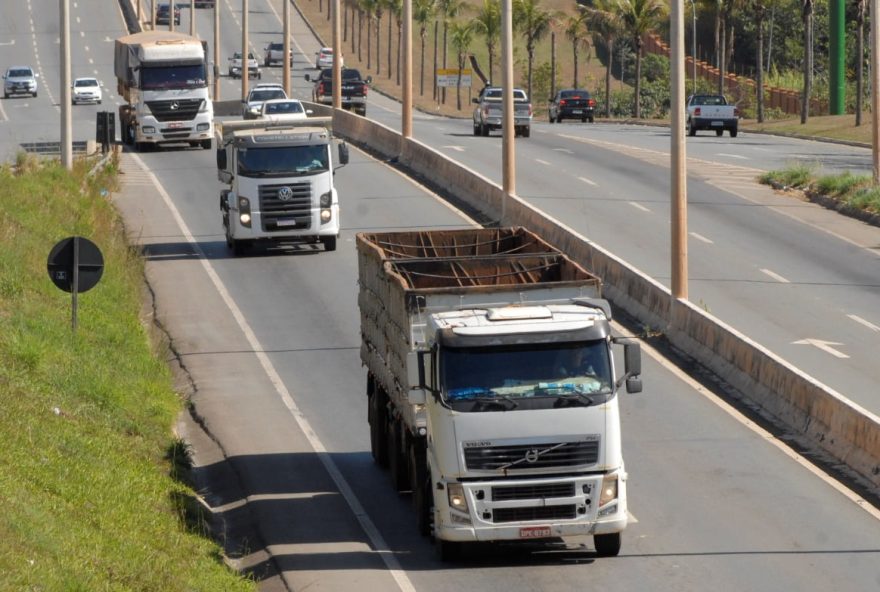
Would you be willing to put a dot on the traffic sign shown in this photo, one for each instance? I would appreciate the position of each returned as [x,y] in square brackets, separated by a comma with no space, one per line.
[75,263]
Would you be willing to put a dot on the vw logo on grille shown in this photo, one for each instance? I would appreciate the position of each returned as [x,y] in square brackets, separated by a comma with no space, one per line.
[174,106]
[285,194]
[532,456]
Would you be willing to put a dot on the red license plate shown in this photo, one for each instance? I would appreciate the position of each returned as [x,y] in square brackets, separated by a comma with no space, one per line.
[534,532]
[175,124]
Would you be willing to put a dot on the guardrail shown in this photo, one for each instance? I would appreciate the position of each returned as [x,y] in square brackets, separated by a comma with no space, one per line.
[825,418]
[49,148]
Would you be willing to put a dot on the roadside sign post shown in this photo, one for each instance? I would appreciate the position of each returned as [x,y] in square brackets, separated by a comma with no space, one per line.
[75,265]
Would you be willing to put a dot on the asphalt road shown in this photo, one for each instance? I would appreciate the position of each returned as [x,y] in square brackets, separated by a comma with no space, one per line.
[270,342]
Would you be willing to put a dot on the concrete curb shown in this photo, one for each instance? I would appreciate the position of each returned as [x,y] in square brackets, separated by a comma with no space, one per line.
[825,418]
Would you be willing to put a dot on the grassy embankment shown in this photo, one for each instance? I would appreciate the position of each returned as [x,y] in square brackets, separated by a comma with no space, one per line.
[86,476]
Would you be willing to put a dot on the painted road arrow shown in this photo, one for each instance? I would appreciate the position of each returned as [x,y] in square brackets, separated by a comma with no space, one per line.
[825,346]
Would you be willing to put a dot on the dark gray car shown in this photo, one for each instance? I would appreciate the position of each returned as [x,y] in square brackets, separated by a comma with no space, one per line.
[19,80]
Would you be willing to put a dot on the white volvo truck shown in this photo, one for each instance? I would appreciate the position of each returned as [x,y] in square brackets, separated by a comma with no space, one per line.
[492,387]
[162,76]
[280,182]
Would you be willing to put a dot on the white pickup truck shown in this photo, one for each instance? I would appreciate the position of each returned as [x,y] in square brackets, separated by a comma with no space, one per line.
[711,112]
[488,114]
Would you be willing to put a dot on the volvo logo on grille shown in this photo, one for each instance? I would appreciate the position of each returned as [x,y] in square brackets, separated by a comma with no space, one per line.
[174,106]
[532,456]
[285,194]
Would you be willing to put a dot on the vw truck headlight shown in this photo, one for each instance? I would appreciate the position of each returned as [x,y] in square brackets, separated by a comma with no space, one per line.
[457,500]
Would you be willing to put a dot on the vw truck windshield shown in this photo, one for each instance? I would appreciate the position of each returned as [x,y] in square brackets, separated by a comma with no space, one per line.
[283,161]
[534,376]
[173,77]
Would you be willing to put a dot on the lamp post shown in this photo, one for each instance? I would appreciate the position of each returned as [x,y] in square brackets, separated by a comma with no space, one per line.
[694,44]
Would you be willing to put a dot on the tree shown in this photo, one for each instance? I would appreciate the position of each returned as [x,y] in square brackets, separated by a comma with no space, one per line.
[533,22]
[639,17]
[423,12]
[604,19]
[461,35]
[370,9]
[575,31]
[807,16]
[488,24]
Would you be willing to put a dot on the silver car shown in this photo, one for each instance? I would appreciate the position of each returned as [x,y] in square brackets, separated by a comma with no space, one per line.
[19,80]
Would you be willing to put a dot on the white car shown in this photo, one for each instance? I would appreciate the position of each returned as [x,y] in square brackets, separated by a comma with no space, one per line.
[19,80]
[325,58]
[284,110]
[87,90]
[253,106]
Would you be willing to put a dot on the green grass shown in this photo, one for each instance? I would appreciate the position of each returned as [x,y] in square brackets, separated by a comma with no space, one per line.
[85,420]
[856,191]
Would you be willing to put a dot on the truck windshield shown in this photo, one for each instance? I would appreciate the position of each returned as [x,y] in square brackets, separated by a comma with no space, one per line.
[283,161]
[173,77]
[532,376]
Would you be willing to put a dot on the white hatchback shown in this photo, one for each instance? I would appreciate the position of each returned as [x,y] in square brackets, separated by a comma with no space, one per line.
[87,90]
[325,58]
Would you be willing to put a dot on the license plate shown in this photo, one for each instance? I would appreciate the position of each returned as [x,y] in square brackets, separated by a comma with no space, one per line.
[534,532]
[717,123]
[576,111]
[285,222]
[175,124]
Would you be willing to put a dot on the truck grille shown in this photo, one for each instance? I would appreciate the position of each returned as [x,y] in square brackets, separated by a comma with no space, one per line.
[563,454]
[531,514]
[294,212]
[175,110]
[521,492]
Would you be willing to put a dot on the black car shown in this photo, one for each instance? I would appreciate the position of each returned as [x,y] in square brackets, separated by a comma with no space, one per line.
[572,103]
[162,14]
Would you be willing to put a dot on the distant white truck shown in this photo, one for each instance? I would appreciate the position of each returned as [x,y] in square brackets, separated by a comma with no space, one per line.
[279,178]
[489,112]
[711,112]
[162,76]
[492,390]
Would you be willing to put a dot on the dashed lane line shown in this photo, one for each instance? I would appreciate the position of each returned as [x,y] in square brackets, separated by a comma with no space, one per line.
[865,323]
[775,276]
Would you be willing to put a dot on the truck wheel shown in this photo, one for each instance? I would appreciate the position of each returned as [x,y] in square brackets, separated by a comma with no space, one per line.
[592,118]
[396,459]
[376,416]
[484,130]
[329,243]
[526,132]
[719,132]
[692,131]
[733,133]
[476,129]
[206,144]
[421,487]
[607,545]
[550,117]
[239,247]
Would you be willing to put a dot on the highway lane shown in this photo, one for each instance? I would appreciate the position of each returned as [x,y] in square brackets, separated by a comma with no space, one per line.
[715,502]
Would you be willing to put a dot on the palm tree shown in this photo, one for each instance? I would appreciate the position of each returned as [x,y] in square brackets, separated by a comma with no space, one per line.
[575,31]
[380,8]
[423,12]
[462,35]
[395,9]
[448,10]
[639,17]
[759,9]
[488,24]
[533,22]
[603,18]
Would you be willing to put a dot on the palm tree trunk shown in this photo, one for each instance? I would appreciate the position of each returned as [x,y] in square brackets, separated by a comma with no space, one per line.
[378,47]
[760,65]
[436,38]
[445,52]
[574,46]
[388,51]
[808,60]
[422,64]
[610,46]
[638,91]
[369,42]
[860,60]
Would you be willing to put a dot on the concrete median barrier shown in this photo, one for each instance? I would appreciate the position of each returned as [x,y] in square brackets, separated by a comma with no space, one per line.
[817,413]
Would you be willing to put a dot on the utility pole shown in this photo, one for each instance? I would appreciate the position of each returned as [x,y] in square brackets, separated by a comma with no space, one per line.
[244,50]
[406,124]
[66,124]
[678,154]
[192,17]
[337,58]
[153,15]
[170,15]
[285,70]
[875,88]
[508,154]
[217,50]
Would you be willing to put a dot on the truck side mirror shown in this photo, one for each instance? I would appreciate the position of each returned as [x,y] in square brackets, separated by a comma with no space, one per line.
[221,159]
[308,79]
[475,100]
[632,358]
[369,80]
[415,371]
[343,153]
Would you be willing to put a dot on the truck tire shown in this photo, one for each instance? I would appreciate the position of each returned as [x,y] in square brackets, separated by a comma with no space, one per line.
[607,545]
[484,130]
[692,130]
[719,132]
[397,461]
[476,129]
[526,132]
[447,551]
[550,117]
[329,243]
[376,416]
[421,487]
[733,133]
[240,247]
[592,118]
[206,144]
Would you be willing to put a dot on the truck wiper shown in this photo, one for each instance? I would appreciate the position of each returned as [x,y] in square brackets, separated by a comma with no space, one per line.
[507,404]
[573,399]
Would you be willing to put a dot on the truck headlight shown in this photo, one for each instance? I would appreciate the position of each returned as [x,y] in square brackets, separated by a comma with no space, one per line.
[457,500]
[609,490]
[148,129]
[244,211]
[203,127]
[326,215]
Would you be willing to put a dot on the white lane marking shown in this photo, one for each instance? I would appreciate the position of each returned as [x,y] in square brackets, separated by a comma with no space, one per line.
[91,61]
[8,42]
[737,156]
[77,20]
[862,321]
[3,113]
[376,538]
[639,206]
[565,150]
[766,436]
[825,346]
[86,47]
[588,181]
[456,148]
[700,237]
[775,276]
[544,162]
[82,33]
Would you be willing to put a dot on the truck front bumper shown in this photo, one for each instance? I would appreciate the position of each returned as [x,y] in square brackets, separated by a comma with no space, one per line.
[285,228]
[195,130]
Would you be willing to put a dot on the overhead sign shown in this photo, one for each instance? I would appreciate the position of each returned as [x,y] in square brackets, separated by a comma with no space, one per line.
[449,77]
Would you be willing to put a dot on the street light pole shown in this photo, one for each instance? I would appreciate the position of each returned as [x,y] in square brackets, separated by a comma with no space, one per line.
[694,44]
